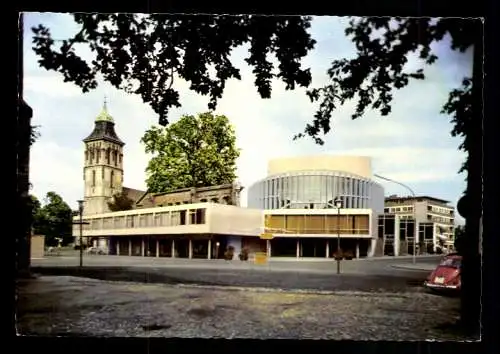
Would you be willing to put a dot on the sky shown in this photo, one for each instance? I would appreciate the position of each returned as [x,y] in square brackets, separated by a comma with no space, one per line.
[412,145]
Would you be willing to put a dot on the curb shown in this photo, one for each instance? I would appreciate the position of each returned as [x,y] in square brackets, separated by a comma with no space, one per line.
[404,267]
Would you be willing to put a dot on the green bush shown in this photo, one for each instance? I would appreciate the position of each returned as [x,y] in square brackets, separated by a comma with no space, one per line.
[348,255]
[229,253]
[244,254]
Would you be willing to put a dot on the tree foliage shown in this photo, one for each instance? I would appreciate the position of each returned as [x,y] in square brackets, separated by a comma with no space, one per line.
[142,54]
[120,202]
[195,151]
[53,219]
[378,69]
[36,207]
[459,238]
[34,134]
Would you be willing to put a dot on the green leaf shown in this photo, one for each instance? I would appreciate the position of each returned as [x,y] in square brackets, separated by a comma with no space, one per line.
[195,151]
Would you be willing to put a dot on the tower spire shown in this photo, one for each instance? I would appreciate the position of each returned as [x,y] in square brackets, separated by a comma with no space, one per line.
[104,116]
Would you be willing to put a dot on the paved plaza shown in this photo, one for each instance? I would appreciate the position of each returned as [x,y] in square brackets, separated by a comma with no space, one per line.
[372,299]
[69,306]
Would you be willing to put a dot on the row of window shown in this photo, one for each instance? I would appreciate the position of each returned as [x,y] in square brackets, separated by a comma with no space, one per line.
[111,178]
[440,210]
[398,209]
[387,225]
[110,156]
[310,191]
[224,200]
[386,229]
[167,218]
[318,224]
[426,231]
[439,219]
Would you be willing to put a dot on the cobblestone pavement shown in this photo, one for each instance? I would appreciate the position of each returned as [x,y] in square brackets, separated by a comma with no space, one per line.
[64,305]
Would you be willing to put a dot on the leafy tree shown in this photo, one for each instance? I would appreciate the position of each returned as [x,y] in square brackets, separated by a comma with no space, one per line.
[54,220]
[35,205]
[192,152]
[120,202]
[36,213]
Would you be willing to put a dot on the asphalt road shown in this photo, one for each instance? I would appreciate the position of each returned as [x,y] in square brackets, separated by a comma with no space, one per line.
[372,275]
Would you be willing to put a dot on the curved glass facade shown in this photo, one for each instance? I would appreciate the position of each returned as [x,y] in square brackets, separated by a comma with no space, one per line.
[315,190]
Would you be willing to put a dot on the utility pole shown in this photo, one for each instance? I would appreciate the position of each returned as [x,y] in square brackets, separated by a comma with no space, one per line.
[338,205]
[81,223]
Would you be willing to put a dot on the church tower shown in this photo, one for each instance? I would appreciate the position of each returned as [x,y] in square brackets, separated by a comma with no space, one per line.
[103,167]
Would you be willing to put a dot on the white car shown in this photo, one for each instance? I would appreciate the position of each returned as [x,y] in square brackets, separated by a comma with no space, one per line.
[97,250]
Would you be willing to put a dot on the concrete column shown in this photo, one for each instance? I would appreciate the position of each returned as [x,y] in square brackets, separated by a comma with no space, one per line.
[397,246]
[298,248]
[209,256]
[117,246]
[268,247]
[143,247]
[157,248]
[372,246]
[434,238]
[173,249]
[129,246]
[357,248]
[327,248]
[190,249]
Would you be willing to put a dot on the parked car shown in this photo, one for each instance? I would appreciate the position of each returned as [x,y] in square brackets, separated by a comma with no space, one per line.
[446,276]
[97,250]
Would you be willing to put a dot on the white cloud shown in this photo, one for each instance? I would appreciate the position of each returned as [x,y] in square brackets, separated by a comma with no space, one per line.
[412,164]
[411,145]
[51,86]
[53,168]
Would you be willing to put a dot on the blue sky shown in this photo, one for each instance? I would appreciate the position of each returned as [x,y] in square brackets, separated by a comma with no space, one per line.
[412,145]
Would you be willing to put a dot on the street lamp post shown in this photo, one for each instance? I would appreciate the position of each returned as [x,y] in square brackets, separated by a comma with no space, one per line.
[338,205]
[217,244]
[414,258]
[80,210]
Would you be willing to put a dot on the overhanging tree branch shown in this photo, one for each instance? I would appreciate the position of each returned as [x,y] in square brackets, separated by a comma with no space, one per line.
[141,53]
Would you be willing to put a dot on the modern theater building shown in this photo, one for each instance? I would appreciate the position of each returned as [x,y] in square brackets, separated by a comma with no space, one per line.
[299,194]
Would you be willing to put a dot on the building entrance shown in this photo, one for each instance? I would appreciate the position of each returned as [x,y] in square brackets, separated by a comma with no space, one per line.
[313,247]
[284,247]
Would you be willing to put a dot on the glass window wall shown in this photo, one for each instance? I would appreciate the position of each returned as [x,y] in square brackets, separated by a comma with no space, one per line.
[316,190]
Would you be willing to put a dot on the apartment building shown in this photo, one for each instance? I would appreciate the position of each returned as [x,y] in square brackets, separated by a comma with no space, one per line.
[434,219]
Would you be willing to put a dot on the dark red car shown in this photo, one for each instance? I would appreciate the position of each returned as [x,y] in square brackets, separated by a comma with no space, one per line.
[446,276]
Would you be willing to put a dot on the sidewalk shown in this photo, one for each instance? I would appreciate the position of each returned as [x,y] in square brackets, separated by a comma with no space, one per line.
[417,266]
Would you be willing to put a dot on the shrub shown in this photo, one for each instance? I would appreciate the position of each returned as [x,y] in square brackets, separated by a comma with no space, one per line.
[338,255]
[229,254]
[244,254]
[348,255]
